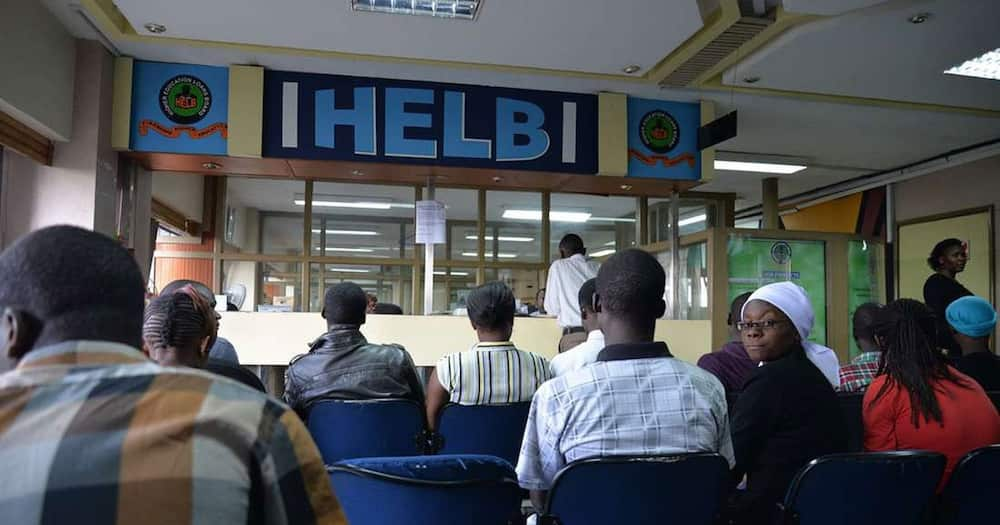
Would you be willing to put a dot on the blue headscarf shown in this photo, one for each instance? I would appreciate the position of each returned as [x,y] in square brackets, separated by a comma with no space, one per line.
[972,316]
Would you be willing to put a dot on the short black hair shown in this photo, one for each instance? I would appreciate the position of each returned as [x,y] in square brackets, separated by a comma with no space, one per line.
[202,289]
[77,284]
[572,244]
[630,284]
[736,308]
[865,318]
[491,306]
[388,309]
[345,303]
[934,260]
[586,295]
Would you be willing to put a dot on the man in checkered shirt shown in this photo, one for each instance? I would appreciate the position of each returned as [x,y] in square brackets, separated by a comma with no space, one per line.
[856,376]
[635,400]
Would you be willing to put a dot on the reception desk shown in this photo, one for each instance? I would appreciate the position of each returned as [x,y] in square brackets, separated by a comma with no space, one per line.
[275,338]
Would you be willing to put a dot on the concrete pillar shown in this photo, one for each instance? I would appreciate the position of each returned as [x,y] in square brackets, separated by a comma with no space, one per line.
[769,202]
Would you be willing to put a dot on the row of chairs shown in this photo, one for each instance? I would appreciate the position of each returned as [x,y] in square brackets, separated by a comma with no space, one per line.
[689,489]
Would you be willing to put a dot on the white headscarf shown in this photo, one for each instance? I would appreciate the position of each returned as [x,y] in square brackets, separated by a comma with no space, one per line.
[793,301]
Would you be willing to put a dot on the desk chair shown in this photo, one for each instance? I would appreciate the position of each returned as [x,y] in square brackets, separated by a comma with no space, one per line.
[379,427]
[496,430]
[969,497]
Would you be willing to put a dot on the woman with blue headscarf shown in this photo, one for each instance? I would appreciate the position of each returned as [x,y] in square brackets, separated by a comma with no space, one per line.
[972,320]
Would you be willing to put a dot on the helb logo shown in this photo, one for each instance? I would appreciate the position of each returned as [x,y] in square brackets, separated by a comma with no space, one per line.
[659,131]
[185,99]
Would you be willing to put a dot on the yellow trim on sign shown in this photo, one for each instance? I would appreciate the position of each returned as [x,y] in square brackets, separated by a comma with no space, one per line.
[720,20]
[246,111]
[121,104]
[707,108]
[612,134]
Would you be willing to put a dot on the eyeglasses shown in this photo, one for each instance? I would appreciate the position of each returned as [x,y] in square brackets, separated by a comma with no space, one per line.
[770,324]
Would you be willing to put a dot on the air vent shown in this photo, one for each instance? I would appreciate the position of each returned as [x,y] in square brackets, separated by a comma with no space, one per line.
[721,47]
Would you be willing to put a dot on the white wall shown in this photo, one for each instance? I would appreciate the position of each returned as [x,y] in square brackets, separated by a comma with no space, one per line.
[182,192]
[37,58]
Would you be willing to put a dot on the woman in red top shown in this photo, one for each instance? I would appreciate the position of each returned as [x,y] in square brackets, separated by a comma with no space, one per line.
[918,401]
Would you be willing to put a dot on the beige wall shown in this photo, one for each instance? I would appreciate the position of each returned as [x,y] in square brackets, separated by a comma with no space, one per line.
[37,58]
[184,193]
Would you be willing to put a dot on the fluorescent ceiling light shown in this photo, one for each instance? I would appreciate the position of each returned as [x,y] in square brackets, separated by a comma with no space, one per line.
[612,219]
[554,216]
[499,255]
[347,270]
[274,279]
[503,238]
[454,274]
[758,167]
[602,253]
[464,9]
[986,66]
[609,243]
[349,250]
[346,232]
[692,220]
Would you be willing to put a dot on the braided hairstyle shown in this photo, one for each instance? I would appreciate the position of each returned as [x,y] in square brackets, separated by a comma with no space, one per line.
[491,306]
[179,320]
[906,331]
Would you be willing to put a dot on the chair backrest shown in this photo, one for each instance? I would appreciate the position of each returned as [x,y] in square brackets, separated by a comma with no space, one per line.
[968,497]
[686,489]
[861,489]
[496,430]
[851,407]
[355,429]
[428,490]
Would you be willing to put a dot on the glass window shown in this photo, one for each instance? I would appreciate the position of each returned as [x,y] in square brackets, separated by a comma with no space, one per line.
[513,226]
[264,216]
[462,214]
[266,286]
[606,224]
[452,287]
[362,220]
[694,216]
[865,276]
[525,283]
[390,284]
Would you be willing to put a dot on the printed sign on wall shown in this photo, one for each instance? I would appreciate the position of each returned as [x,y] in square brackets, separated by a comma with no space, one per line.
[663,139]
[329,117]
[179,108]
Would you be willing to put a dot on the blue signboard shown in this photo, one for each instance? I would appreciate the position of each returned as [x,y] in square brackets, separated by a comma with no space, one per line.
[329,117]
[663,139]
[179,108]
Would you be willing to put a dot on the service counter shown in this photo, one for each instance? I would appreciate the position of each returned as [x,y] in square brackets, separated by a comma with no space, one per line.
[271,339]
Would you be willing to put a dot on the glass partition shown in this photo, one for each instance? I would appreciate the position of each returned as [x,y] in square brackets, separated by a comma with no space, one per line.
[606,224]
[263,217]
[390,284]
[865,277]
[362,220]
[266,286]
[452,287]
[513,226]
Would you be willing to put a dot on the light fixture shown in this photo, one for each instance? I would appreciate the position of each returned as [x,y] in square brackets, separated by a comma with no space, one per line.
[211,165]
[751,80]
[758,167]
[609,243]
[462,9]
[626,187]
[694,219]
[357,173]
[347,232]
[347,270]
[612,219]
[919,18]
[349,201]
[602,253]
[453,274]
[155,28]
[554,216]
[631,68]
[985,66]
[503,238]
[271,279]
[349,250]
[499,255]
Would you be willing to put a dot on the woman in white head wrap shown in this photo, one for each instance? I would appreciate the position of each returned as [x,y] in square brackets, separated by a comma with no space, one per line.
[791,300]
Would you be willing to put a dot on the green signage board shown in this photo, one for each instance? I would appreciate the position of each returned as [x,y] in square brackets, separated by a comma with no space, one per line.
[754,262]
[863,281]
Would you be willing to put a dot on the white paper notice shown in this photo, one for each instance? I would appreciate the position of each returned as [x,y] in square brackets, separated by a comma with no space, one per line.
[430,223]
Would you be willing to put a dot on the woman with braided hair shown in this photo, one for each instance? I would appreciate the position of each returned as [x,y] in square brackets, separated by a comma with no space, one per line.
[178,329]
[919,402]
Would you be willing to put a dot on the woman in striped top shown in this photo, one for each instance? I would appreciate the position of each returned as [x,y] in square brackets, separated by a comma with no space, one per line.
[494,371]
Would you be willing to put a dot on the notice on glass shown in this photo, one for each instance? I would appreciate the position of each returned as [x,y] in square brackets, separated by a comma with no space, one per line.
[430,223]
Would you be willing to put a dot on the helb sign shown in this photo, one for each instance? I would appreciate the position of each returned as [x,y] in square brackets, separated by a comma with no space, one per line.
[329,117]
[663,139]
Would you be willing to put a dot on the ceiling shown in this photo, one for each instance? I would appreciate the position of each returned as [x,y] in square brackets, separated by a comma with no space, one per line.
[851,89]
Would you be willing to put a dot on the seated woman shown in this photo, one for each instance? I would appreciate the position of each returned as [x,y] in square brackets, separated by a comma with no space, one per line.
[788,413]
[494,371]
[920,402]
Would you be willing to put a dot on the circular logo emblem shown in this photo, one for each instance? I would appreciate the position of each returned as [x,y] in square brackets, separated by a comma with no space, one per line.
[781,252]
[659,131]
[185,99]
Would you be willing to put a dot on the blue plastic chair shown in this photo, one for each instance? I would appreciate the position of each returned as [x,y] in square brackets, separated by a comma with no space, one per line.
[355,429]
[685,489]
[428,490]
[873,488]
[496,430]
[968,497]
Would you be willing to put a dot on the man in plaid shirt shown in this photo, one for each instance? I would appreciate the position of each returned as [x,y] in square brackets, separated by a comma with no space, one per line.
[856,376]
[91,432]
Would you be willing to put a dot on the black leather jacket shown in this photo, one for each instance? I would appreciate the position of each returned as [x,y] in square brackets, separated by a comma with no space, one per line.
[341,364]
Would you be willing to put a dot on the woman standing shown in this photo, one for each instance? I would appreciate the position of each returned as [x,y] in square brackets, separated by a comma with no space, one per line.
[947,259]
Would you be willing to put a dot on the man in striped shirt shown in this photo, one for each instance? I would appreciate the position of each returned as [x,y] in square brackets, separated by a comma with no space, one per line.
[91,432]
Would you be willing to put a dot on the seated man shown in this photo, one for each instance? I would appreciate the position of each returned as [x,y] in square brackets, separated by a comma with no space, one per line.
[220,349]
[94,432]
[637,399]
[856,376]
[972,320]
[731,364]
[342,364]
[584,353]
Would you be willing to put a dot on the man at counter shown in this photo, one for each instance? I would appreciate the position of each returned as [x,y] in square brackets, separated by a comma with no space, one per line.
[566,276]
[342,364]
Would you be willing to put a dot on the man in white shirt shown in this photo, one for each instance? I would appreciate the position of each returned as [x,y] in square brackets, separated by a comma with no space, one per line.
[562,288]
[584,353]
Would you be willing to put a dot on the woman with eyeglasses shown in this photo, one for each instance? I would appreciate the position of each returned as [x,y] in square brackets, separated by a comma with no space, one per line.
[788,413]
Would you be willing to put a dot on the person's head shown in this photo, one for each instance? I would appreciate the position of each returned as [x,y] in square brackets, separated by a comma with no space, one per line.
[570,245]
[345,303]
[202,289]
[949,256]
[387,309]
[491,311]
[735,309]
[372,301]
[178,328]
[540,297]
[65,283]
[972,320]
[864,326]
[906,331]
[776,319]
[586,298]
[629,297]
